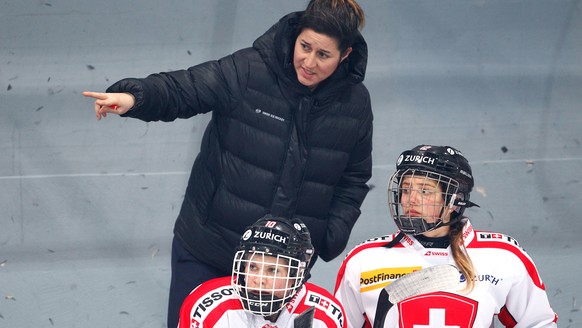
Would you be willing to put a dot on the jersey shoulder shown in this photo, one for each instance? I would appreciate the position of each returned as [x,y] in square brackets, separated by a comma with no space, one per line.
[208,302]
[210,285]
[328,310]
[315,292]
[496,240]
[363,252]
[369,244]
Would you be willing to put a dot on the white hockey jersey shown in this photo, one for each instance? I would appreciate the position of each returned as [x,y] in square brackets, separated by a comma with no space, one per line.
[508,285]
[215,304]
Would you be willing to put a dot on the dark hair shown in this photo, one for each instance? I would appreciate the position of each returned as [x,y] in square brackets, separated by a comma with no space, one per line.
[338,19]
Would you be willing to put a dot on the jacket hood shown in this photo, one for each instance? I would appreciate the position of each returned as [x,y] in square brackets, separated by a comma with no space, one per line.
[276,48]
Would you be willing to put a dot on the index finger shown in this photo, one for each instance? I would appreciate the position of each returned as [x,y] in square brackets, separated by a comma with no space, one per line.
[96,95]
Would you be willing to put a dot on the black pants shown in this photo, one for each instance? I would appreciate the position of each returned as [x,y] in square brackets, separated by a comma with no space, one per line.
[187,273]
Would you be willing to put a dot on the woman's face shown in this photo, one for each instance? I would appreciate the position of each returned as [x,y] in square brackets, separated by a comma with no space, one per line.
[266,273]
[422,197]
[316,57]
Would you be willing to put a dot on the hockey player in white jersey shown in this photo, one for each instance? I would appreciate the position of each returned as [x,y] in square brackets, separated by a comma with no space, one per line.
[427,196]
[267,288]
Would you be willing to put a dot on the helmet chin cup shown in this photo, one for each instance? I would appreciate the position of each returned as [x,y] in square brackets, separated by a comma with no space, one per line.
[416,225]
[263,304]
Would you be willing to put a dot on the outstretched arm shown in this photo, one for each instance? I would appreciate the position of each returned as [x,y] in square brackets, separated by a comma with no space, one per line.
[116,103]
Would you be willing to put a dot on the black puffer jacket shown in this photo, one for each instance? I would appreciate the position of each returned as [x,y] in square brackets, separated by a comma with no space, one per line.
[272,145]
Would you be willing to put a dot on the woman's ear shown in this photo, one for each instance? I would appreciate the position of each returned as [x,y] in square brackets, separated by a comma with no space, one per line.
[346,54]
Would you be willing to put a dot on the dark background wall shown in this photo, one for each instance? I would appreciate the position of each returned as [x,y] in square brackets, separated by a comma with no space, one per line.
[87,207]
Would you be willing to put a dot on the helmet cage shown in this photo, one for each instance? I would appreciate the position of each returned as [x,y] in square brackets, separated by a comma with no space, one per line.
[271,263]
[447,197]
[275,282]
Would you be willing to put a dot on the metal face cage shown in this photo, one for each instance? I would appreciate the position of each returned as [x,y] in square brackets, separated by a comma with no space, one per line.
[418,199]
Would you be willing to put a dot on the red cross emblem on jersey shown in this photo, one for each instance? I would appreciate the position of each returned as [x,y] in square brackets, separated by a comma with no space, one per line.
[437,310]
[324,303]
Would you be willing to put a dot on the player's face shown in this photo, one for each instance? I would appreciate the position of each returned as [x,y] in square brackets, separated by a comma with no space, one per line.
[316,57]
[421,197]
[267,274]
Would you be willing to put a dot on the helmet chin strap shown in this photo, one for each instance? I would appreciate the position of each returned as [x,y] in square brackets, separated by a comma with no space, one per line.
[460,202]
[454,204]
[451,209]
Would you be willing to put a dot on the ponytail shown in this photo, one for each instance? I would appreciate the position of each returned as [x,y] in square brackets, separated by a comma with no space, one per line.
[461,256]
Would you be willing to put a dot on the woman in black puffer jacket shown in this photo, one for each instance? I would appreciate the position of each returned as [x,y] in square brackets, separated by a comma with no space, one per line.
[290,135]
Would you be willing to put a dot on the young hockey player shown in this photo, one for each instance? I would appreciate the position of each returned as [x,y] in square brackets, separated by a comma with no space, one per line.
[427,196]
[267,287]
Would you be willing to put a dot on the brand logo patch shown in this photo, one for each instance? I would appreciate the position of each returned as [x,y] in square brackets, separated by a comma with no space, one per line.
[322,303]
[497,237]
[262,112]
[210,301]
[380,278]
